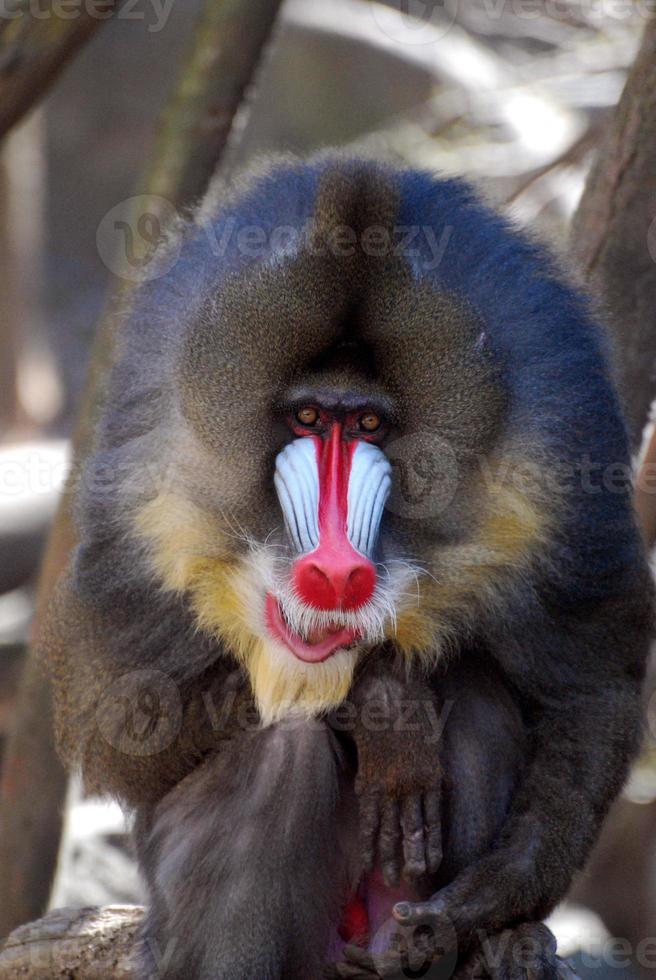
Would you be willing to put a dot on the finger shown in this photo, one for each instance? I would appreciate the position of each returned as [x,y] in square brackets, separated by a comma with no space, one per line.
[359,957]
[389,965]
[369,811]
[412,822]
[390,831]
[348,971]
[381,965]
[416,913]
[472,969]
[533,952]
[361,962]
[345,971]
[393,964]
[433,819]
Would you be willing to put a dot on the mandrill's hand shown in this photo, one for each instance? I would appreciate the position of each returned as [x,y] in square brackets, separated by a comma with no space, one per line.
[398,782]
[411,953]
[527,952]
[400,823]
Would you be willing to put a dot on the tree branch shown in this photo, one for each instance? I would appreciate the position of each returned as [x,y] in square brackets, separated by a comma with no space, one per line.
[81,944]
[34,50]
[614,235]
[215,77]
[614,240]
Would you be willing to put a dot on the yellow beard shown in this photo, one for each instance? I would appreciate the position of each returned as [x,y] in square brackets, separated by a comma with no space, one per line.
[228,599]
[513,526]
[285,686]
[223,598]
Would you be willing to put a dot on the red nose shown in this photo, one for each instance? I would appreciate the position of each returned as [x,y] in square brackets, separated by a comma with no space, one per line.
[334,584]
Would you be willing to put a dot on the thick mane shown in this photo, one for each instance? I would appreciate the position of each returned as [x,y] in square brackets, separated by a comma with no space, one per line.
[273,234]
[555,353]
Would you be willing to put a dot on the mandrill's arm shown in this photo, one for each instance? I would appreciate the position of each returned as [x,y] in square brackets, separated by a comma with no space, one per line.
[132,729]
[579,684]
[396,724]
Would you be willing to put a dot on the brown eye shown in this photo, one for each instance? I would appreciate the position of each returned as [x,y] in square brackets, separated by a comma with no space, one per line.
[307,416]
[369,422]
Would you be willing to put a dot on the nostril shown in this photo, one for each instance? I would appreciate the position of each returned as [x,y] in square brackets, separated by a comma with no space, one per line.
[328,585]
[359,586]
[314,586]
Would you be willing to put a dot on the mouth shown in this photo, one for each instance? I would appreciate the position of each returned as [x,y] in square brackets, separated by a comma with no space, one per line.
[318,645]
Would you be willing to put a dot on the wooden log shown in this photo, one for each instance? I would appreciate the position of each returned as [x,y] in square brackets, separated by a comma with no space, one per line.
[76,944]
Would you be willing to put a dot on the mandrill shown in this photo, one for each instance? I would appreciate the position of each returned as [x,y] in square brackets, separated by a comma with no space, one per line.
[358,615]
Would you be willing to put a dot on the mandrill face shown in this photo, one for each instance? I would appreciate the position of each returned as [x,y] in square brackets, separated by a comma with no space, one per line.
[325,584]
[289,390]
[332,482]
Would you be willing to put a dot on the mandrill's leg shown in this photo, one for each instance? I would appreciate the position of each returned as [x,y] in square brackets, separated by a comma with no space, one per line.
[582,734]
[244,862]
[485,745]
[482,749]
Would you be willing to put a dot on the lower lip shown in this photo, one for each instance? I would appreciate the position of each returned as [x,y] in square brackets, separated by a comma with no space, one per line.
[309,653]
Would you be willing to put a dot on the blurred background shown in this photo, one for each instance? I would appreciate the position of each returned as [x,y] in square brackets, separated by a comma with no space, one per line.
[514,95]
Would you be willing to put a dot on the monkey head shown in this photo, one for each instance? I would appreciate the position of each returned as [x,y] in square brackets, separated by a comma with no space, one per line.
[278,379]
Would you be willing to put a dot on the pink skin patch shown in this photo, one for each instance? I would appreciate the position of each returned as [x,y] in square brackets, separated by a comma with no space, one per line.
[333,576]
[380,900]
[327,641]
[367,918]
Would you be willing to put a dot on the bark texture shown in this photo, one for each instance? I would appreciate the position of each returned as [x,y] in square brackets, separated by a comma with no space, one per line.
[215,78]
[614,232]
[614,243]
[74,944]
[34,49]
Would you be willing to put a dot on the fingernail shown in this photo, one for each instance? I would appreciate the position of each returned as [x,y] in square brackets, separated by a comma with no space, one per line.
[402,910]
